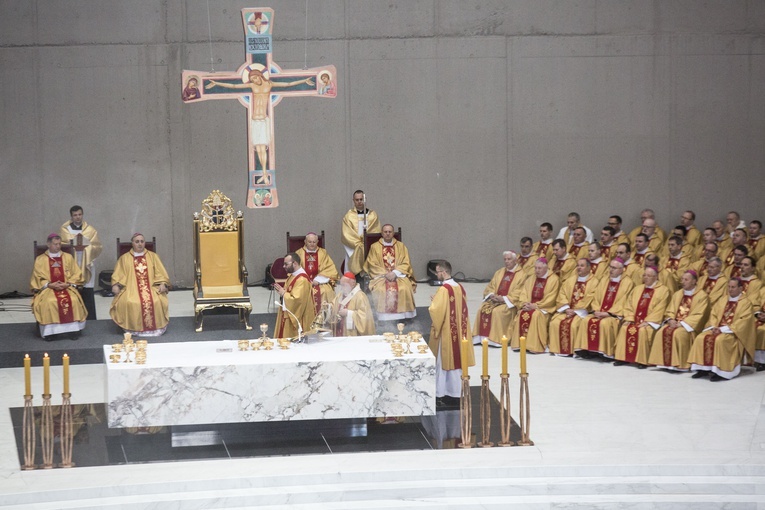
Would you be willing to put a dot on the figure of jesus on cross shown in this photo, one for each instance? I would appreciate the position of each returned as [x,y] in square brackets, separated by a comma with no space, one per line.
[259,85]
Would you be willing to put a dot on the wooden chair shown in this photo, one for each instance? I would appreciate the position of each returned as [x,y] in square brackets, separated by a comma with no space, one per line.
[294,243]
[220,275]
[278,275]
[39,249]
[124,247]
[369,240]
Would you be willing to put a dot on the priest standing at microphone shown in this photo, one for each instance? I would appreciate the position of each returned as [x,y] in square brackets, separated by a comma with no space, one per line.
[296,296]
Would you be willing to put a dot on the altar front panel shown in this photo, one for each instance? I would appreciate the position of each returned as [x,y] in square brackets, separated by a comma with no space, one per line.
[213,382]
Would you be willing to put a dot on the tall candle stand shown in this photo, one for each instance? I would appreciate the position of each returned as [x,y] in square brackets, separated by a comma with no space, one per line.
[466,414]
[504,411]
[485,413]
[46,432]
[67,431]
[525,412]
[28,433]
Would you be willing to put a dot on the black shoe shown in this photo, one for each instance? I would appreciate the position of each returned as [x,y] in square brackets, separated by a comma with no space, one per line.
[619,363]
[641,366]
[716,378]
[584,354]
[699,374]
[759,367]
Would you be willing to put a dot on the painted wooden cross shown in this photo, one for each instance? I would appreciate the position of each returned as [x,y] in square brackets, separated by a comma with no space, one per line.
[259,85]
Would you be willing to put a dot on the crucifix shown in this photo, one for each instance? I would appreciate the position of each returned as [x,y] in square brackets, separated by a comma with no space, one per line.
[259,85]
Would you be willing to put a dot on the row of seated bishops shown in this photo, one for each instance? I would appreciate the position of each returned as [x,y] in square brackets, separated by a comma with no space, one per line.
[140,285]
[140,282]
[669,305]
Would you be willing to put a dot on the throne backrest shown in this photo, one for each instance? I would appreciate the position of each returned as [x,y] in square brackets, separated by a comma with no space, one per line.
[294,243]
[219,243]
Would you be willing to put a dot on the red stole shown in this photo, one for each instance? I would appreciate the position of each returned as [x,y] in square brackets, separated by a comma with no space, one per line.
[537,293]
[558,265]
[391,288]
[709,285]
[709,340]
[594,267]
[541,249]
[639,257]
[564,330]
[455,334]
[484,326]
[633,330]
[735,272]
[666,337]
[64,300]
[141,270]
[672,264]
[312,269]
[285,315]
[752,245]
[522,260]
[605,252]
[593,324]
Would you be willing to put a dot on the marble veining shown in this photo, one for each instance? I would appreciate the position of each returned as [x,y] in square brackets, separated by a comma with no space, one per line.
[338,378]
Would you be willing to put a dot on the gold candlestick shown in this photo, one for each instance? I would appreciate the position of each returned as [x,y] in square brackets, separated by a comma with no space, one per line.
[504,410]
[466,414]
[485,413]
[46,432]
[67,431]
[525,412]
[28,433]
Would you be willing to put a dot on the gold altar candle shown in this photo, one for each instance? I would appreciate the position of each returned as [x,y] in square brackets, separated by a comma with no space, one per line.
[27,376]
[504,355]
[464,356]
[46,375]
[523,354]
[485,352]
[66,373]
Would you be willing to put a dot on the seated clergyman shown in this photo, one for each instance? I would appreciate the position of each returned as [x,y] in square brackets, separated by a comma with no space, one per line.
[140,285]
[56,304]
[392,283]
[320,269]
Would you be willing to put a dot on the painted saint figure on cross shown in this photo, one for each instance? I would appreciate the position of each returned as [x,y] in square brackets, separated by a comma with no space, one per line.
[259,85]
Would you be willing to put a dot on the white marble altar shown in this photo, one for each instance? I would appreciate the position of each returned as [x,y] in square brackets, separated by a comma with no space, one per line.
[213,382]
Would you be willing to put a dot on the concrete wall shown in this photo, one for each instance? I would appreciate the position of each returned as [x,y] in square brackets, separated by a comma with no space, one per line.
[467,122]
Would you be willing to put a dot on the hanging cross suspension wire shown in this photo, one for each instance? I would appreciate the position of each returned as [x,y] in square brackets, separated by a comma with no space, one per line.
[209,38]
[305,38]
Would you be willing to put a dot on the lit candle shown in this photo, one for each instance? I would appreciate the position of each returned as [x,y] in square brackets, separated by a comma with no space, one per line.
[504,355]
[464,356]
[46,375]
[523,354]
[27,376]
[66,373]
[485,349]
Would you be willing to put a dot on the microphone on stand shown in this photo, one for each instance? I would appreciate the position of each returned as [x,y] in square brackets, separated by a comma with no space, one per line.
[300,327]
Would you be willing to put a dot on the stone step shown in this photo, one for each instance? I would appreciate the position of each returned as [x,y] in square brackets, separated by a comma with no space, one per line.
[518,492]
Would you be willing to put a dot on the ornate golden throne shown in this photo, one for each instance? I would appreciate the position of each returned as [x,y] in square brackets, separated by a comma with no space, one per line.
[220,276]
